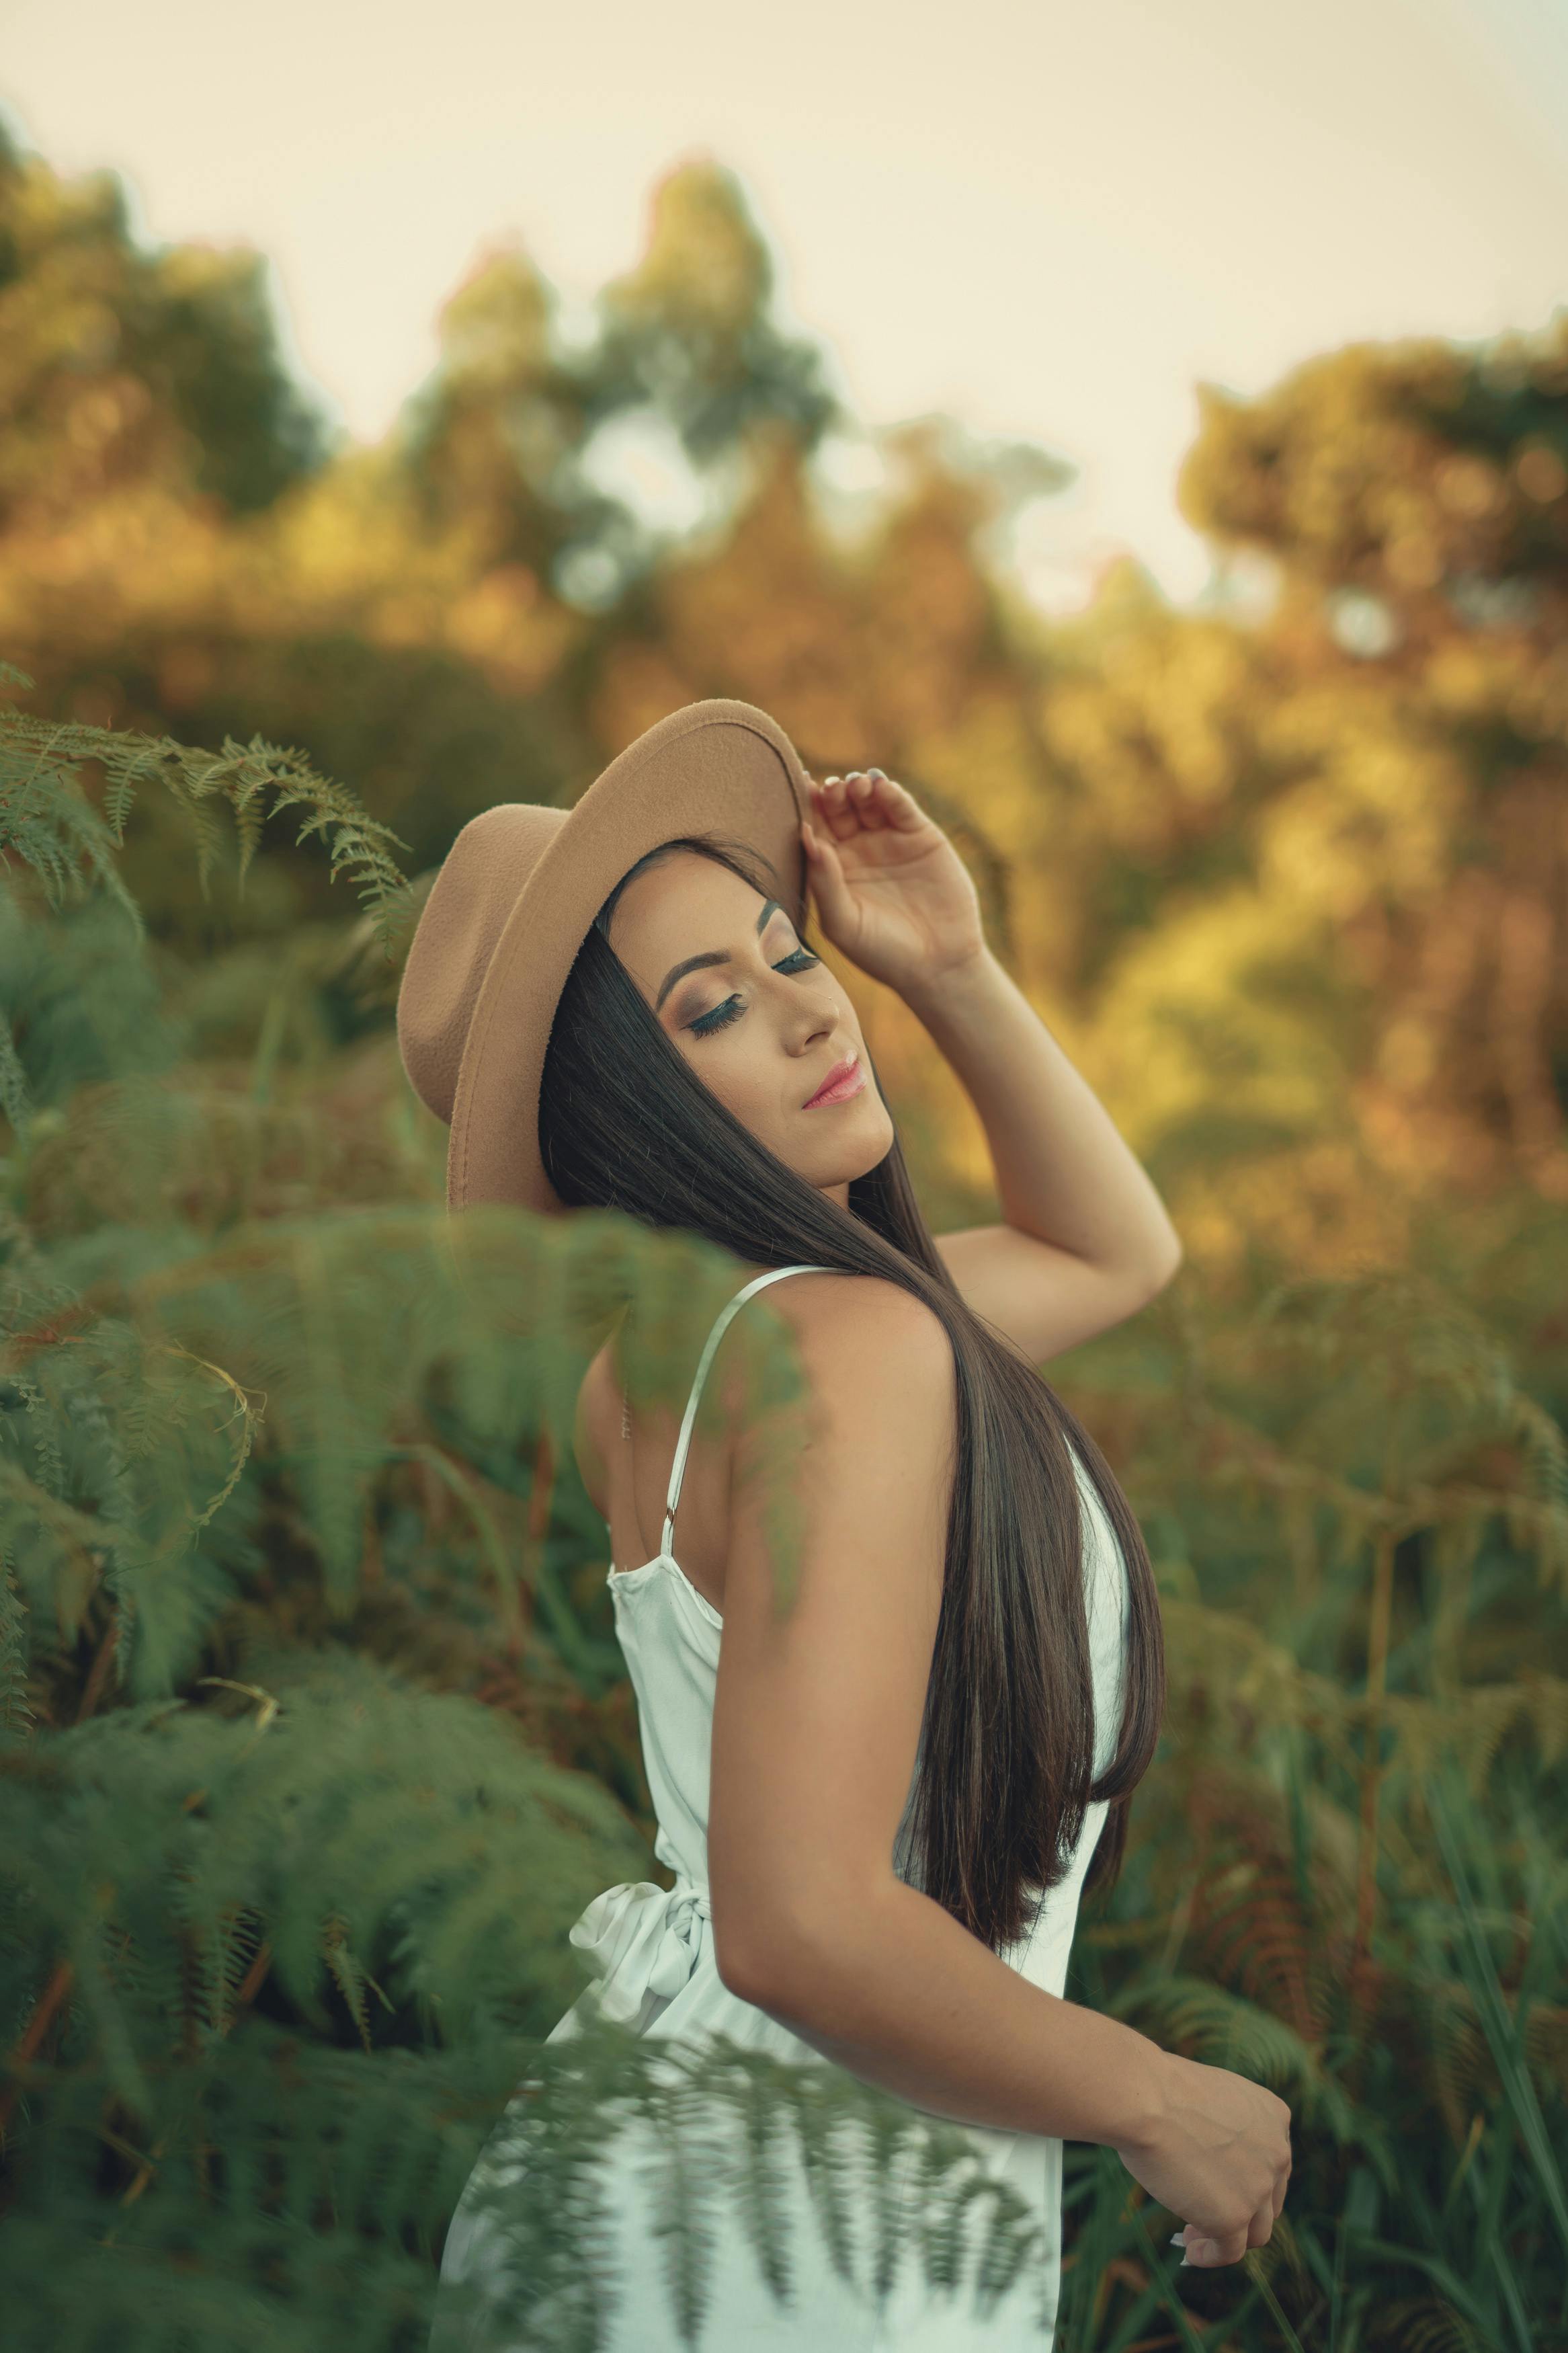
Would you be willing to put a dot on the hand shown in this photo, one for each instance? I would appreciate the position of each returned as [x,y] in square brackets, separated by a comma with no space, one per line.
[1220,2154]
[889,891]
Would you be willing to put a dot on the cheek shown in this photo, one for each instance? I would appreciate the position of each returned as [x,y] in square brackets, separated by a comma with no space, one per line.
[759,1100]
[756,1101]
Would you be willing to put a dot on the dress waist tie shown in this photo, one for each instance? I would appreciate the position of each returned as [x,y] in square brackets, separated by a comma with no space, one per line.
[643,1943]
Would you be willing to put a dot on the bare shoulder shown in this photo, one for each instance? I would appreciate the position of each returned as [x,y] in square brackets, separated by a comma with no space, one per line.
[862,1314]
[875,1359]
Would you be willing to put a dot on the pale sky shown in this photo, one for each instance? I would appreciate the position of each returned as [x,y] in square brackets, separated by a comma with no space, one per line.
[1047,219]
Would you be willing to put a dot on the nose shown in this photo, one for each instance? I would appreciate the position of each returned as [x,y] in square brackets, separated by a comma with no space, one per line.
[816,1023]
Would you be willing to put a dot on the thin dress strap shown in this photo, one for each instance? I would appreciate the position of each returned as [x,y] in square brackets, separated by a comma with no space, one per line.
[730,1308]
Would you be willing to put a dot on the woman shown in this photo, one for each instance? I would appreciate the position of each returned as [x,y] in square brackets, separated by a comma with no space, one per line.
[882,1804]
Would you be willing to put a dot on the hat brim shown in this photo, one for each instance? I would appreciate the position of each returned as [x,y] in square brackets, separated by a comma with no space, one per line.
[716,765]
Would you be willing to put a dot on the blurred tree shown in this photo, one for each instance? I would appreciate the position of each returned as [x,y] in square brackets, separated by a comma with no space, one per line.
[486,440]
[120,366]
[1415,500]
[691,332]
[502,441]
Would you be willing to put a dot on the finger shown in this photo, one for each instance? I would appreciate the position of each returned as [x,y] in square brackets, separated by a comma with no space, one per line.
[878,801]
[1212,2252]
[1260,2227]
[827,877]
[898,804]
[827,854]
[866,801]
[818,848]
[839,819]
[854,805]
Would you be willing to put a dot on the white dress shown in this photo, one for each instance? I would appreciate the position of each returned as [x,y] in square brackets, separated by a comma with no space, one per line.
[652,1951]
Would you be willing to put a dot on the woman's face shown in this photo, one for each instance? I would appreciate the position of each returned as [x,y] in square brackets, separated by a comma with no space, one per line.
[759,1019]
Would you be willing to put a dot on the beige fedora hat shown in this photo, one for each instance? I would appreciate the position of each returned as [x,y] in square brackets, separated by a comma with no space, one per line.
[515,897]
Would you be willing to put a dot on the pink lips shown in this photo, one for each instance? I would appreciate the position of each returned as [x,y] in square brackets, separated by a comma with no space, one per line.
[845,1079]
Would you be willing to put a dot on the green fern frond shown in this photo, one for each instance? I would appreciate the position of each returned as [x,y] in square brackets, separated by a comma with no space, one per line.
[46,821]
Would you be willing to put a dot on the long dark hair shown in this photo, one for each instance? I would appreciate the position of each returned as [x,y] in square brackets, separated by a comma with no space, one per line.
[1006,1768]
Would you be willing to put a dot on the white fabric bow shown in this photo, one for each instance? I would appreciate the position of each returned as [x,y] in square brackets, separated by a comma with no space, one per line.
[643,1940]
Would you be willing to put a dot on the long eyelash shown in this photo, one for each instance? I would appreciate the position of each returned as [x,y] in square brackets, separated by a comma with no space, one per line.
[722,1015]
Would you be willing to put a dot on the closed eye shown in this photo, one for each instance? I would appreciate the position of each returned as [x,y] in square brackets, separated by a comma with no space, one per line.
[722,1015]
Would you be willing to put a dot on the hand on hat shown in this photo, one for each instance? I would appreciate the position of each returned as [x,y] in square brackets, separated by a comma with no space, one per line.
[890,890]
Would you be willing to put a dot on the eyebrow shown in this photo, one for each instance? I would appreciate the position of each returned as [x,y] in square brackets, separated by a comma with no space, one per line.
[711,956]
